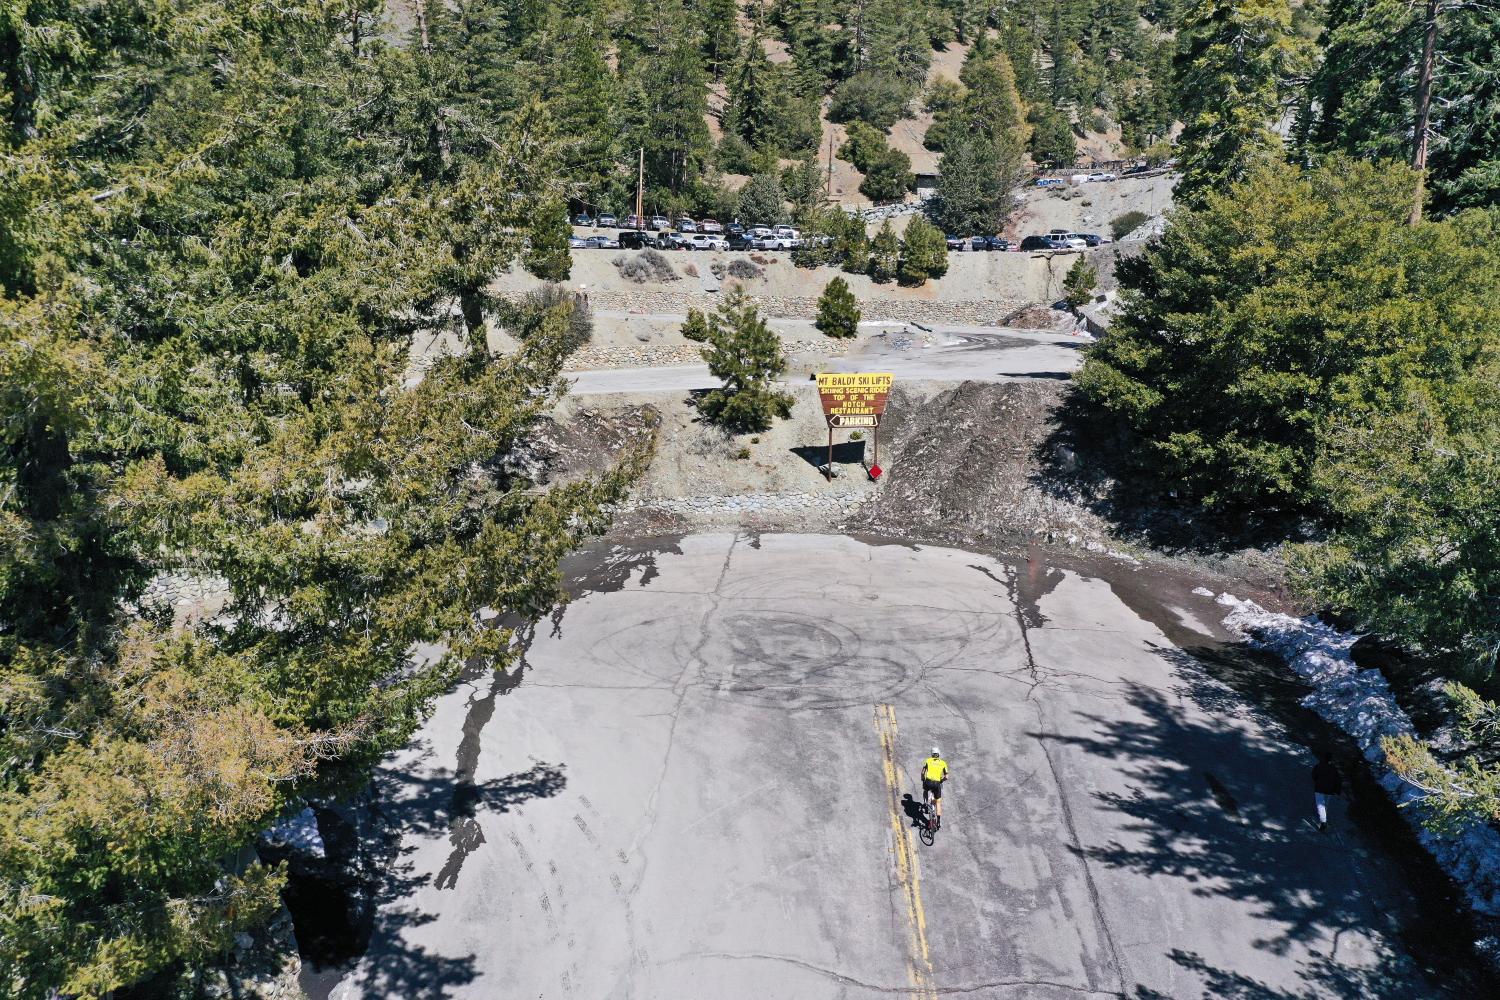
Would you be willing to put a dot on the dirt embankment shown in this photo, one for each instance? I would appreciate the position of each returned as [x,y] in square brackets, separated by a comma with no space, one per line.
[973,464]
[979,288]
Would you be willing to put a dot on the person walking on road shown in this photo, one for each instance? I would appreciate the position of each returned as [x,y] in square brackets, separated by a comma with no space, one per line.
[1326,782]
[934,773]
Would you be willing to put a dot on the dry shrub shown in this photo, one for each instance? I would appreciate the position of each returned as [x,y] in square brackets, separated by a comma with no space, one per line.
[648,265]
[743,269]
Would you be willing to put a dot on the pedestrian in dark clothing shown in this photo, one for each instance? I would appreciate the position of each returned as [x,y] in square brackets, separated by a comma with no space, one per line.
[1326,781]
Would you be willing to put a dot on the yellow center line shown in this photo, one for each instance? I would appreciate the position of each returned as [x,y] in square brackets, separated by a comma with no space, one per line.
[919,964]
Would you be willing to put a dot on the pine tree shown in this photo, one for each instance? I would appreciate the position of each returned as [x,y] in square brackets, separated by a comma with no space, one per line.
[838,310]
[1363,95]
[1078,284]
[1230,58]
[742,351]
[853,246]
[925,253]
[761,201]
[756,101]
[227,393]
[971,197]
[666,96]
[719,21]
[885,252]
[1052,141]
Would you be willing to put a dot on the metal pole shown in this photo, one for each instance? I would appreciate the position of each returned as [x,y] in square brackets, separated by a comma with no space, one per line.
[640,185]
[830,452]
[877,444]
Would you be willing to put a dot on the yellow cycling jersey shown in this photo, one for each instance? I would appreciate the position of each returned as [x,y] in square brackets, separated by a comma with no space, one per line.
[935,769]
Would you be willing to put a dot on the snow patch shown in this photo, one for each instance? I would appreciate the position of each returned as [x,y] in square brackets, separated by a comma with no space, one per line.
[299,832]
[1360,703]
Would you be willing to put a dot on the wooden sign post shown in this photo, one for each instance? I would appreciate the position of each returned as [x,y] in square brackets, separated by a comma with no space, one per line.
[854,400]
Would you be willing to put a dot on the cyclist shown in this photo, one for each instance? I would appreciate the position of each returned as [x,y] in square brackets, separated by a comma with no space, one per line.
[934,773]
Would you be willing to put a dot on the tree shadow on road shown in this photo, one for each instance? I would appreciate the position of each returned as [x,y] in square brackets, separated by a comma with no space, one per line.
[1224,809]
[1324,976]
[410,804]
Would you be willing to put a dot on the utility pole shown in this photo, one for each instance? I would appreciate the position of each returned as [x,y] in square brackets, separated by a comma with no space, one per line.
[1424,110]
[640,187]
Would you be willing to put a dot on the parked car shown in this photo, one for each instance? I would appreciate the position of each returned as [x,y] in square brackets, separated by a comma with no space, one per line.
[633,221]
[977,243]
[1071,240]
[660,222]
[583,220]
[686,225]
[999,243]
[1042,243]
[577,243]
[636,239]
[1101,176]
[607,221]
[778,238]
[1139,168]
[741,241]
[604,243]
[678,241]
[710,226]
[734,229]
[1092,239]
[707,241]
[1051,182]
[954,242]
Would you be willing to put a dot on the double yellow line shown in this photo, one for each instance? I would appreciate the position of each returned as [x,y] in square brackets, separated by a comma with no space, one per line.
[919,964]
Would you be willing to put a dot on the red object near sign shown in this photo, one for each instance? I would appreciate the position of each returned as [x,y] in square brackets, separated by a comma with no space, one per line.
[875,472]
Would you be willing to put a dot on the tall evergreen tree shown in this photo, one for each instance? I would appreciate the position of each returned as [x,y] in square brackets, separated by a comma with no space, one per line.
[885,253]
[1230,61]
[1364,95]
[214,380]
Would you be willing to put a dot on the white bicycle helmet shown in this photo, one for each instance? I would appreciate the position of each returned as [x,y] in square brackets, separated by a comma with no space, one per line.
[936,752]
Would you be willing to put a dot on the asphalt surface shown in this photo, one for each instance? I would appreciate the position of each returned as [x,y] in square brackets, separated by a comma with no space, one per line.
[695,787]
[979,354]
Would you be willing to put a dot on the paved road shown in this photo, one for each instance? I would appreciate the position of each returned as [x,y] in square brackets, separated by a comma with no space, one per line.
[696,788]
[975,353]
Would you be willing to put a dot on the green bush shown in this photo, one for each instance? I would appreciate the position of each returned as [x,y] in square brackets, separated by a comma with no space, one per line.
[838,312]
[870,96]
[1126,223]
[925,253]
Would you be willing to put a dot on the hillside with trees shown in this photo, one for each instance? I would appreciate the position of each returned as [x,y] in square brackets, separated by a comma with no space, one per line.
[223,224]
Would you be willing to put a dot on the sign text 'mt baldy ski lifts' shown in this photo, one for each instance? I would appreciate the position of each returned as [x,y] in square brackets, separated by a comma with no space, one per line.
[848,395]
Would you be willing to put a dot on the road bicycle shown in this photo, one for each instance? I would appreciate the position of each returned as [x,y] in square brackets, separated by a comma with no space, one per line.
[928,827]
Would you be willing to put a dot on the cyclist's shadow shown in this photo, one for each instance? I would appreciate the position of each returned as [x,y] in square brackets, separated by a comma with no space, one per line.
[913,809]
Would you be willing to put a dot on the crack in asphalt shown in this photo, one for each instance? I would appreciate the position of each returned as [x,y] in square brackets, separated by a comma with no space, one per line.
[682,686]
[1012,584]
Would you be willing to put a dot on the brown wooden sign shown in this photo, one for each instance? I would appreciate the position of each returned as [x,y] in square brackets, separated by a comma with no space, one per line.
[854,394]
[853,400]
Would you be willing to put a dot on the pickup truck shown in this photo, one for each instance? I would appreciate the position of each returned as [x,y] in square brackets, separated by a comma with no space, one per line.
[779,238]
